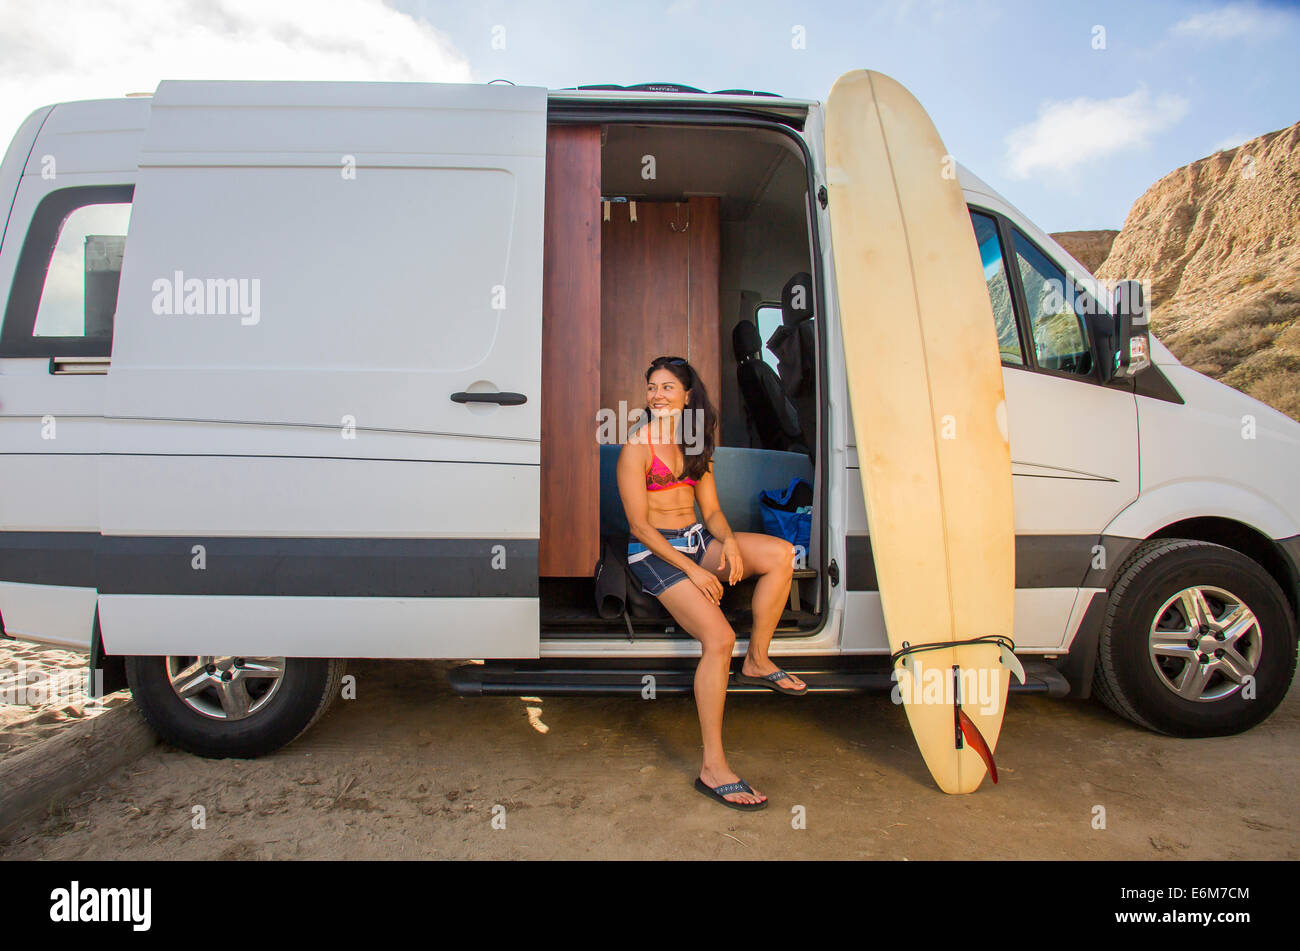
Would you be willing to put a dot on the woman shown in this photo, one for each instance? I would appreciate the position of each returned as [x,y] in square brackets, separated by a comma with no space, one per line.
[683,562]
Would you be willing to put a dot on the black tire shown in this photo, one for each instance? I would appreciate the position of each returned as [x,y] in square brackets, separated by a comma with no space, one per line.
[307,688]
[1126,678]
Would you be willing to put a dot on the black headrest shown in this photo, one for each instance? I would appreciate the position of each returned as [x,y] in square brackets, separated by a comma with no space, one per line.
[745,340]
[797,299]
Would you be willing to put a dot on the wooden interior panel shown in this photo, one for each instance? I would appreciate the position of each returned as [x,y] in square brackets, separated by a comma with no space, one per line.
[659,294]
[571,354]
[643,297]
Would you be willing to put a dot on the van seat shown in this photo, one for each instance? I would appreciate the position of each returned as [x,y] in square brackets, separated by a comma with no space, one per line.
[741,474]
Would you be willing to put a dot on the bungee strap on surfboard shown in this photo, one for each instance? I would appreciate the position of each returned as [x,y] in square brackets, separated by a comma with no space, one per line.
[1002,640]
[964,728]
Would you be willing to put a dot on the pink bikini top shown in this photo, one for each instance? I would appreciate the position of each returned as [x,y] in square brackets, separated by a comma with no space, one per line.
[660,476]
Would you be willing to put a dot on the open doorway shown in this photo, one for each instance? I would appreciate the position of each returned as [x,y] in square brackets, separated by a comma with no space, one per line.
[688,240]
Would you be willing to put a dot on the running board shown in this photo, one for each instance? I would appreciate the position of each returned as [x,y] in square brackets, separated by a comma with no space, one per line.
[575,679]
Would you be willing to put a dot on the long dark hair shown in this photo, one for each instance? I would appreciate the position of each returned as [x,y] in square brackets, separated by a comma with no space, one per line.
[697,464]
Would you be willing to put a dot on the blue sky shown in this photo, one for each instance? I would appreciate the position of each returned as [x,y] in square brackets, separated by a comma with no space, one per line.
[1175,81]
[1070,133]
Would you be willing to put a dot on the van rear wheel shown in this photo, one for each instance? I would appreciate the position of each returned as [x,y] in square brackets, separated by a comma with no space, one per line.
[233,706]
[1198,640]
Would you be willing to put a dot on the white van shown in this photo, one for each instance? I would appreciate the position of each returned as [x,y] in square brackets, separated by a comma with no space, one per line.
[296,372]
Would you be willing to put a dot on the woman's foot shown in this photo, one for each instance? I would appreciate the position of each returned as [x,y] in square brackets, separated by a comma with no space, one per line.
[754,668]
[713,778]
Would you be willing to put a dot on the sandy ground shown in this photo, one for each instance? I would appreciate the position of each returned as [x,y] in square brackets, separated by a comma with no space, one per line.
[41,690]
[409,770]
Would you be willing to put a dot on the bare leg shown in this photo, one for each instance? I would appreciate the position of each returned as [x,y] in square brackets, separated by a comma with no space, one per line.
[704,621]
[772,559]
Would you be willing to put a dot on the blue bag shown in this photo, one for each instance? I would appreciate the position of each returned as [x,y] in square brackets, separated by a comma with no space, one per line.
[779,511]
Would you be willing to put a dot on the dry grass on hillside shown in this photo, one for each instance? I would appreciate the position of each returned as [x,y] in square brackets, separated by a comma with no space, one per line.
[1254,347]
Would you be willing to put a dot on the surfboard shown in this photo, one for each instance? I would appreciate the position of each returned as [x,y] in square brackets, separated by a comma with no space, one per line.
[929,414]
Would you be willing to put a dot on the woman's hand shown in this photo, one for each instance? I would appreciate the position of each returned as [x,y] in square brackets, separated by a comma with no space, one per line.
[731,556]
[707,582]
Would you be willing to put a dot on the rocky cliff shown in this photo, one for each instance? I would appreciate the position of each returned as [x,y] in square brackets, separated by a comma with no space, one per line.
[1219,242]
[1089,248]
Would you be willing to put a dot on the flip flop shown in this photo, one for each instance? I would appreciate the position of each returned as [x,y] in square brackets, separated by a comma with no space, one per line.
[770,681]
[719,793]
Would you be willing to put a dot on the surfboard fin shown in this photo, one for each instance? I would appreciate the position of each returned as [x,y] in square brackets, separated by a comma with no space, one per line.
[976,740]
[1012,663]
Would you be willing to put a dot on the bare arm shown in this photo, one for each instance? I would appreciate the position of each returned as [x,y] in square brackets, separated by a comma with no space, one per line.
[706,495]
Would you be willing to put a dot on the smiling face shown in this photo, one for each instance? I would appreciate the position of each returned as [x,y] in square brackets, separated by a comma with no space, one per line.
[664,393]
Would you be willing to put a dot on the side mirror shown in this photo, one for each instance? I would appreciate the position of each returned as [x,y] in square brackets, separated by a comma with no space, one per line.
[1132,354]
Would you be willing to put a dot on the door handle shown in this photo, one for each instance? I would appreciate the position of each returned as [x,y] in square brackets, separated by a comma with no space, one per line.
[504,399]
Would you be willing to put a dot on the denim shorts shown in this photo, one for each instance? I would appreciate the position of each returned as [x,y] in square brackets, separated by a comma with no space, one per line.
[653,572]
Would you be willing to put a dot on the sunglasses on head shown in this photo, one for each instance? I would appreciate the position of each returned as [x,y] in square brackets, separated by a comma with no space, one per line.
[668,361]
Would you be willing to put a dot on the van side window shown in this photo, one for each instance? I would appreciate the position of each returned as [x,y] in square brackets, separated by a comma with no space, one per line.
[64,293]
[995,274]
[1060,339]
[768,318]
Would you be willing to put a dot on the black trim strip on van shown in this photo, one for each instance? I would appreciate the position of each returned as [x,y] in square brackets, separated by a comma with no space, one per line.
[276,567]
[1042,561]
[57,558]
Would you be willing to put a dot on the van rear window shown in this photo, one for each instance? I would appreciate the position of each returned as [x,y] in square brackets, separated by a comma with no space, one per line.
[64,294]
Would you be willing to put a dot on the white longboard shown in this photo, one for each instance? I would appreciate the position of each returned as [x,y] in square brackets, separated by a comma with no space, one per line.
[925,384]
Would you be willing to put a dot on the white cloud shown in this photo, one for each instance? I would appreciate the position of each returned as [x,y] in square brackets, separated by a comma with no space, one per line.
[1233,20]
[60,50]
[1071,133]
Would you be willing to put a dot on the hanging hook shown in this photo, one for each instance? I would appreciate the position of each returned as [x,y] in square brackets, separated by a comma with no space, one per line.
[688,219]
[607,201]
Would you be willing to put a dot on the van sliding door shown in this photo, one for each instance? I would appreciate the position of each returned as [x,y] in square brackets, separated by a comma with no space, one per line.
[322,433]
[68,176]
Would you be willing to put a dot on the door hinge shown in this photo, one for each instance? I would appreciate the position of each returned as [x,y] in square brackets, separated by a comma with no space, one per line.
[822,197]
[834,572]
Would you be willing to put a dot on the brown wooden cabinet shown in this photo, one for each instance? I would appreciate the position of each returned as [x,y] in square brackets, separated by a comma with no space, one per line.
[616,294]
[570,491]
[659,294]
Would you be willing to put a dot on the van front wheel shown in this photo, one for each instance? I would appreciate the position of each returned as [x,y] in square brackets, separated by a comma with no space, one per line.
[1198,640]
[233,706]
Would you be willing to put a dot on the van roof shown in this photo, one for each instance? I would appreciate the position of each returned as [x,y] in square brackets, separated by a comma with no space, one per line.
[649,94]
